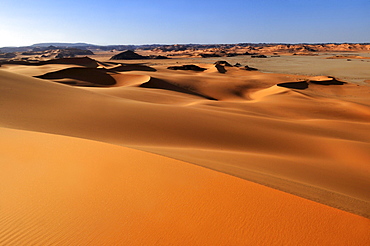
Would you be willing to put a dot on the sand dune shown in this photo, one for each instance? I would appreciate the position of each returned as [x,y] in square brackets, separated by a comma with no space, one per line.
[81,76]
[131,67]
[301,136]
[62,190]
[80,61]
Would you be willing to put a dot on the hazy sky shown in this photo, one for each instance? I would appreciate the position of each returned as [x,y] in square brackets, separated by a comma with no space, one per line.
[25,22]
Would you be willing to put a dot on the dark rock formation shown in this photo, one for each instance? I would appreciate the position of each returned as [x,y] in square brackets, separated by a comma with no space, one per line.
[232,54]
[128,55]
[249,54]
[248,68]
[187,67]
[72,52]
[223,63]
[81,61]
[259,56]
[31,53]
[220,68]
[307,48]
[8,55]
[209,55]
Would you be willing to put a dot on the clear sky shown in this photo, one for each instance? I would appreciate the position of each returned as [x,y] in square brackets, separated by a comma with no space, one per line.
[25,22]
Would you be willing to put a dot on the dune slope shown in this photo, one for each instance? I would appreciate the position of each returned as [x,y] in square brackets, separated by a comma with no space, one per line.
[60,190]
[297,141]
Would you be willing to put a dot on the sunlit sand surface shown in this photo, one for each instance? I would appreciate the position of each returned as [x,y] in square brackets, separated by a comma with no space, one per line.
[61,190]
[97,153]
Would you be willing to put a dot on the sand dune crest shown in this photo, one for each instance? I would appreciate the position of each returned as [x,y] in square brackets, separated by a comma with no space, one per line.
[73,191]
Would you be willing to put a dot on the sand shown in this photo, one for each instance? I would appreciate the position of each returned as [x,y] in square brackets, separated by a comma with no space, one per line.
[143,155]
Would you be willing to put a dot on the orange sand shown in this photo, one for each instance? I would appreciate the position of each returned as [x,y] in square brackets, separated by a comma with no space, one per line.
[61,190]
[307,136]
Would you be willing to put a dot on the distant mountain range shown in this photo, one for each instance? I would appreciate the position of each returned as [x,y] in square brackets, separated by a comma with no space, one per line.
[44,46]
[61,44]
[303,47]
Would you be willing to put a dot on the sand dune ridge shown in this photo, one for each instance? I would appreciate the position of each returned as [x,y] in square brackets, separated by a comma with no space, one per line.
[240,156]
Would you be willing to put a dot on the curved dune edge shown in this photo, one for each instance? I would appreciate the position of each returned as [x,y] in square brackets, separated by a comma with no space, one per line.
[129,79]
[69,191]
[311,151]
[256,168]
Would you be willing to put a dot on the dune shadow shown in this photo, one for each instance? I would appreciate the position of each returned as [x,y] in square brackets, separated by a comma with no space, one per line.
[81,61]
[132,67]
[155,83]
[220,68]
[97,77]
[330,81]
[294,85]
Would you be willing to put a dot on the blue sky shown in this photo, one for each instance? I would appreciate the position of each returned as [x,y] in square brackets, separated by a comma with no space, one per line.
[25,22]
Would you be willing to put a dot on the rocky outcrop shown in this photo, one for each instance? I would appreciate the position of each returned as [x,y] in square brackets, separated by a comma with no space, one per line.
[248,68]
[131,55]
[259,56]
[209,55]
[8,55]
[223,63]
[220,68]
[187,67]
[232,54]
[128,55]
[72,52]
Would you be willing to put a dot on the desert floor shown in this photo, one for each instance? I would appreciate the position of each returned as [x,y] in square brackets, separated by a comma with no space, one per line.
[100,152]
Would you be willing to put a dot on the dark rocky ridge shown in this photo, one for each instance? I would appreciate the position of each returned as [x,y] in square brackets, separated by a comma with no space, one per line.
[128,55]
[72,52]
[131,55]
[187,67]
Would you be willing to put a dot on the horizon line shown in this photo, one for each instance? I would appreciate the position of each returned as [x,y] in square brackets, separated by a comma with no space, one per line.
[163,44]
